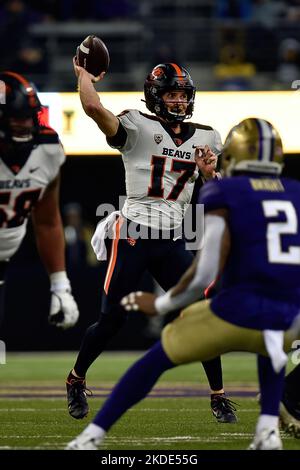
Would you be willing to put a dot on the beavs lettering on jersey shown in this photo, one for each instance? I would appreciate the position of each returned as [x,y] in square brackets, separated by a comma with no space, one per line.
[176,153]
[11,184]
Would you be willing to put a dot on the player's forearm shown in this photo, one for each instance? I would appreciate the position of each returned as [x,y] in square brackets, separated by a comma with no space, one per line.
[105,119]
[51,246]
[169,302]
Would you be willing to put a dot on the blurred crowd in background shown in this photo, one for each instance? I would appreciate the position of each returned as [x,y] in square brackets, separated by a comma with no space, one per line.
[226,44]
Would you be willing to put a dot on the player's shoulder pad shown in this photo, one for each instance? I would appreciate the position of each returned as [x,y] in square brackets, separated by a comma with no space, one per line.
[47,135]
[203,127]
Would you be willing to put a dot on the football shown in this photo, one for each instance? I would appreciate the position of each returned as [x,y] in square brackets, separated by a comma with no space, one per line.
[92,55]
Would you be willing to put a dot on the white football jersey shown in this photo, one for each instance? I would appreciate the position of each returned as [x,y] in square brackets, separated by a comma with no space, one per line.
[160,168]
[19,192]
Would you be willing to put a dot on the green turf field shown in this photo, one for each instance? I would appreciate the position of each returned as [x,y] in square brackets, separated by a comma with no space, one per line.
[175,416]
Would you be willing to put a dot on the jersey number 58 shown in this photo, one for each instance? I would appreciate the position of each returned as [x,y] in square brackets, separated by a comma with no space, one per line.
[22,207]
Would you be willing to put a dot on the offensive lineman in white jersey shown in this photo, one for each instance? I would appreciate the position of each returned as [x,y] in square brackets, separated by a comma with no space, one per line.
[161,166]
[30,160]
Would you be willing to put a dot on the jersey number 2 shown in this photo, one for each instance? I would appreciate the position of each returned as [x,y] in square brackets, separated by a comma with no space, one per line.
[158,164]
[275,230]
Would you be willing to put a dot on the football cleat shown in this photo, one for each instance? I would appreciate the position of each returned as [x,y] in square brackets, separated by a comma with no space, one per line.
[85,441]
[289,414]
[266,439]
[222,408]
[76,395]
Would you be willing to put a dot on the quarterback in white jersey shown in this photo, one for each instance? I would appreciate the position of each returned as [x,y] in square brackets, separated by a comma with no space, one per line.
[160,168]
[163,156]
[30,159]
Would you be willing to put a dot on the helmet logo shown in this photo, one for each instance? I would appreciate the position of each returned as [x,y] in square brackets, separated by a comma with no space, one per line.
[157,73]
[158,138]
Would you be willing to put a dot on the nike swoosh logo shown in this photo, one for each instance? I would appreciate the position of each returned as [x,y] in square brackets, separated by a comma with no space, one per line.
[32,170]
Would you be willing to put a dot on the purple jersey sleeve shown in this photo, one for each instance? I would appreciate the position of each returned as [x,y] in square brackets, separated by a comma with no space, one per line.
[212,196]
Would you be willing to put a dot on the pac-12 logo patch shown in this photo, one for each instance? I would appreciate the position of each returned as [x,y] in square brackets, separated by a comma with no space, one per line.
[158,138]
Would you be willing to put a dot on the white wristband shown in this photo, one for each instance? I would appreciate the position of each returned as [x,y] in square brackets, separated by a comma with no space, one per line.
[163,303]
[167,303]
[59,282]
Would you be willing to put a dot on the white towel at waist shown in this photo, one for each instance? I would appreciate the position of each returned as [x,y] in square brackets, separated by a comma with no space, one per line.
[98,239]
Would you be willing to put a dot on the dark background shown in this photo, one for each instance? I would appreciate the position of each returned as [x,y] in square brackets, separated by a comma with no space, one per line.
[87,181]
